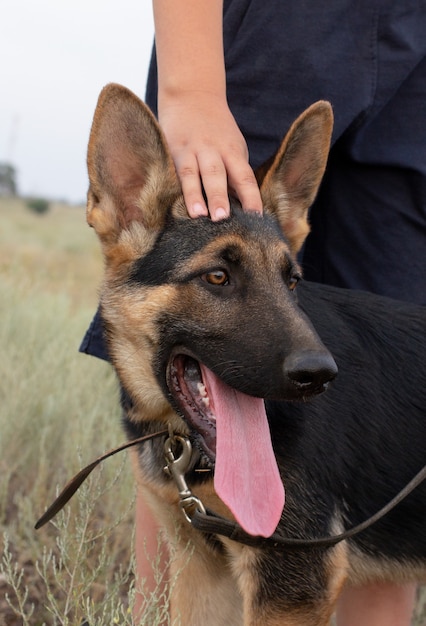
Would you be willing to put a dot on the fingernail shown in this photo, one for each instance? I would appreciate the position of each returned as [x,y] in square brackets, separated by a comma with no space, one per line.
[198,209]
[220,214]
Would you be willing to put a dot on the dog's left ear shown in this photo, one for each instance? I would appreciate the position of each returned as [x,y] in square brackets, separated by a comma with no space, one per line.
[131,173]
[290,184]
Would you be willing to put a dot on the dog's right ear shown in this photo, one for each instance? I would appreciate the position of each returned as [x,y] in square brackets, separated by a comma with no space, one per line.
[131,173]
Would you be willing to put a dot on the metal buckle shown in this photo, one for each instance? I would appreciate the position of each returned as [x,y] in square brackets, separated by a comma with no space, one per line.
[176,467]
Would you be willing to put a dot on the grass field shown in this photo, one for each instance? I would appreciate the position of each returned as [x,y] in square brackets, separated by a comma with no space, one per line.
[59,411]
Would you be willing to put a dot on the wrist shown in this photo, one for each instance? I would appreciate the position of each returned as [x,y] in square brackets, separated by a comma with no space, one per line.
[210,82]
[195,98]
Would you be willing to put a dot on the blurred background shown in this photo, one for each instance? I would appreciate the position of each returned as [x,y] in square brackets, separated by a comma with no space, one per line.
[55,59]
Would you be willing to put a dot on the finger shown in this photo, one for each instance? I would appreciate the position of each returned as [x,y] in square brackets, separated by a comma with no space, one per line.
[215,183]
[243,182]
[189,176]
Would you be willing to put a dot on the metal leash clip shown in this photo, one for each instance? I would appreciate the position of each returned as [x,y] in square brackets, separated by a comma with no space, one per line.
[176,467]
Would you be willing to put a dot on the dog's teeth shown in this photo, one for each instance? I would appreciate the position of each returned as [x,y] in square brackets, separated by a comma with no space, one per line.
[203,394]
[202,389]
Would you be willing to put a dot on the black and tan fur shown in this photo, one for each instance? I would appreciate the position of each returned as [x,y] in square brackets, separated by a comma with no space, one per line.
[223,293]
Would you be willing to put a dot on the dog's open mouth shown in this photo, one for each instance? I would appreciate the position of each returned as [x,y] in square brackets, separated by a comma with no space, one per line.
[233,431]
[189,391]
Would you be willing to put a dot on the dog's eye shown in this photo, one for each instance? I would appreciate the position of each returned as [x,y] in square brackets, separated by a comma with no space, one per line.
[293,281]
[217,277]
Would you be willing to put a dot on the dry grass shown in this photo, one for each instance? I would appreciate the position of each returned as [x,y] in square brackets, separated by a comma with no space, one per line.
[59,410]
[58,251]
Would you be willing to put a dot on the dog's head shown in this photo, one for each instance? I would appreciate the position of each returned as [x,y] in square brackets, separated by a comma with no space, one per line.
[201,314]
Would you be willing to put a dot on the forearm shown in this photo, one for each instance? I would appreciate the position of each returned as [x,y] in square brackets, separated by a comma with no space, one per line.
[189,45]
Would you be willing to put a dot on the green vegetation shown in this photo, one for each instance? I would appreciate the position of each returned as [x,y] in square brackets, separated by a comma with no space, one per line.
[38,205]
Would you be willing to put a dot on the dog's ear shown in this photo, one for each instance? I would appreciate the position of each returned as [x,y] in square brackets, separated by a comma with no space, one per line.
[131,173]
[290,184]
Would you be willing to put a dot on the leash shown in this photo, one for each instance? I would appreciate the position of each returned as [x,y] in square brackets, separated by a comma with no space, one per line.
[207,521]
[210,523]
[72,485]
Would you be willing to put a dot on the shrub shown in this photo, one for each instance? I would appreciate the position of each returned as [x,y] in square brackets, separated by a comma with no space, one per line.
[38,205]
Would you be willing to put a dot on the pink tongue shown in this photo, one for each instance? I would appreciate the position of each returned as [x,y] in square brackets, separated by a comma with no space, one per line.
[246,475]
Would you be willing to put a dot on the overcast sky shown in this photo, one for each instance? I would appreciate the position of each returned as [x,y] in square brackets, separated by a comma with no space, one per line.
[56,55]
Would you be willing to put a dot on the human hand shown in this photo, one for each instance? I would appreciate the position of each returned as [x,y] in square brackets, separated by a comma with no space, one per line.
[209,153]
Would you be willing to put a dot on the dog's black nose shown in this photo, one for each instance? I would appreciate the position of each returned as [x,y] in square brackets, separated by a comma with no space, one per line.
[310,371]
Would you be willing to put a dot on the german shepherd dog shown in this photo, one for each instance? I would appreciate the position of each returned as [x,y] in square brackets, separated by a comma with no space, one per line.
[212,337]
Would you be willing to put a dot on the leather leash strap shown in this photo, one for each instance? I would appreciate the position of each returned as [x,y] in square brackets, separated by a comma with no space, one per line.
[72,485]
[210,523]
[213,524]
